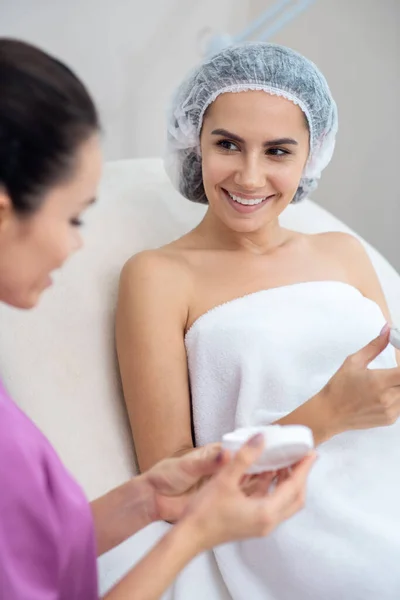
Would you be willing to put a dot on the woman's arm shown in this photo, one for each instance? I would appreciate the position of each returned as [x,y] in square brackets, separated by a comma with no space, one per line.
[316,413]
[364,277]
[151,317]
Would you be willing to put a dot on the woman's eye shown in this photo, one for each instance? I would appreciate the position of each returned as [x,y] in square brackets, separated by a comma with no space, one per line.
[227,145]
[277,152]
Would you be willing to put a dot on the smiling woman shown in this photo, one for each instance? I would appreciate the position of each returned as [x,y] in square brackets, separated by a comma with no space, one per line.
[246,323]
[247,166]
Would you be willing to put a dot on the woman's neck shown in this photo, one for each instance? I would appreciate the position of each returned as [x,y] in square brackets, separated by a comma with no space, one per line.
[215,233]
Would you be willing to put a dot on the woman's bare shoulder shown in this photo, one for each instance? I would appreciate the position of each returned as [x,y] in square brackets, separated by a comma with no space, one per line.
[165,264]
[344,248]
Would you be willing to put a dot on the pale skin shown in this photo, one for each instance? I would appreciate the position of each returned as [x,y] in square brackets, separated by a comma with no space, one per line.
[39,244]
[260,153]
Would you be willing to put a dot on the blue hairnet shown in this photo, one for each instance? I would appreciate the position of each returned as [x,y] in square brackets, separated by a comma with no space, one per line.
[252,66]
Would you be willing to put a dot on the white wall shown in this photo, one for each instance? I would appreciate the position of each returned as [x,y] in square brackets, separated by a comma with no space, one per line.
[356,43]
[131,53]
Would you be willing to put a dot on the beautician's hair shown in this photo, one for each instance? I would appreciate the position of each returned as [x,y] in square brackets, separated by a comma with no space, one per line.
[46,113]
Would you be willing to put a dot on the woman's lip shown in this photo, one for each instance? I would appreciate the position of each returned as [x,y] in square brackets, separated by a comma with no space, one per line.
[248,196]
[245,208]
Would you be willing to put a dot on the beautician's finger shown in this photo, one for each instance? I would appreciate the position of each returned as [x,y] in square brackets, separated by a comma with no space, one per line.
[283,475]
[263,483]
[244,458]
[203,461]
[289,494]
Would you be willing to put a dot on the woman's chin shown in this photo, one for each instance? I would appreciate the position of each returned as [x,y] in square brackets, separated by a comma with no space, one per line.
[254,221]
[23,301]
[27,298]
[250,226]
[251,223]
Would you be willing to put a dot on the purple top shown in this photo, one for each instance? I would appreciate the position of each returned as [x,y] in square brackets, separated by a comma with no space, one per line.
[47,545]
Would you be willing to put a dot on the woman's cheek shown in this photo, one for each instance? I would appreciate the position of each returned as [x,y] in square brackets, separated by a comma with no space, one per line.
[217,168]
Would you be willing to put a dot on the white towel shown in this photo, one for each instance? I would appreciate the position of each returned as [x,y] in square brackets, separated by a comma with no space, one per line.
[257,358]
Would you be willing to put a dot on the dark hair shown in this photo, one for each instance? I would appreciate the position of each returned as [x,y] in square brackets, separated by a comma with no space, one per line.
[46,113]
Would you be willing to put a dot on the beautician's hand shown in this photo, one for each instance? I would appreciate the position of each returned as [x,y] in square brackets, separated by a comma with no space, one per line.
[220,511]
[172,481]
[360,398]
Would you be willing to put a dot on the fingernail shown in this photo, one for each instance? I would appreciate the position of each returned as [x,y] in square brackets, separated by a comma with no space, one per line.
[218,458]
[385,329]
[256,440]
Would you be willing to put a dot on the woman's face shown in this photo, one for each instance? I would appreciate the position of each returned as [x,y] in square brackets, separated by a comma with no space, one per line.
[254,147]
[34,246]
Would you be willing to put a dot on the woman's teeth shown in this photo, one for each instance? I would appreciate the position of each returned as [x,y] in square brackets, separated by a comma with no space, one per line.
[246,202]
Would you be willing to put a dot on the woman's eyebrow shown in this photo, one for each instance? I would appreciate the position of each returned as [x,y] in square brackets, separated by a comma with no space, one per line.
[237,138]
